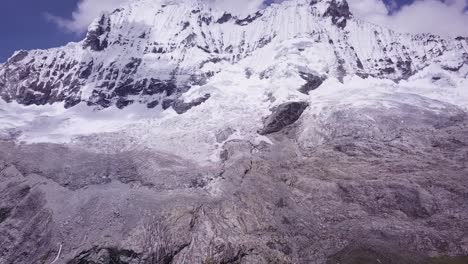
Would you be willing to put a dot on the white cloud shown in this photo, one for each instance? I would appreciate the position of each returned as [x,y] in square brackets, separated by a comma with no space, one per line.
[239,7]
[447,18]
[85,12]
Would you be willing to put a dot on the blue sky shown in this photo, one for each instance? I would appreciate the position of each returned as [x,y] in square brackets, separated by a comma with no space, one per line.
[24,23]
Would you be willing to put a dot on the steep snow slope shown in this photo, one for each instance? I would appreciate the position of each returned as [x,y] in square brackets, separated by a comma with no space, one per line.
[154,51]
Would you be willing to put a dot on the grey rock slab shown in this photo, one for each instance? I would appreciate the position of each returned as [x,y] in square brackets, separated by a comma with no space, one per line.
[282,116]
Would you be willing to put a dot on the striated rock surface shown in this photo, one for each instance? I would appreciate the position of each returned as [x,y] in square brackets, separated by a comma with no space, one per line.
[347,194]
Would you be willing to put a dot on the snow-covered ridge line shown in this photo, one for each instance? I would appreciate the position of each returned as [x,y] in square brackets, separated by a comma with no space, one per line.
[154,51]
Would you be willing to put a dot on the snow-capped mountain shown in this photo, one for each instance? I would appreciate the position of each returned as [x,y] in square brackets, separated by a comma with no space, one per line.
[298,134]
[152,52]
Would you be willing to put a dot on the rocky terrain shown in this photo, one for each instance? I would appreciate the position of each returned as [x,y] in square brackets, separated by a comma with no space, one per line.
[384,195]
[176,133]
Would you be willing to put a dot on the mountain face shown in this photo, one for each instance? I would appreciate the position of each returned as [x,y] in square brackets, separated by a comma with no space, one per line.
[152,52]
[175,133]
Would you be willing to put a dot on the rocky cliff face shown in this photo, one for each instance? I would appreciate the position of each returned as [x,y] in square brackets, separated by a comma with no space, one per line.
[152,52]
[372,190]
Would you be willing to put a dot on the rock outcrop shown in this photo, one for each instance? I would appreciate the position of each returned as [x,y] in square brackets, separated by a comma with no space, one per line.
[282,116]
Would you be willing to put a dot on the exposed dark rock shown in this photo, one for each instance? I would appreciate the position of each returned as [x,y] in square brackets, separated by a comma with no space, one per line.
[117,10]
[388,70]
[4,214]
[264,41]
[96,38]
[19,56]
[249,19]
[340,69]
[359,64]
[338,11]
[132,66]
[453,69]
[202,19]
[406,68]
[126,88]
[98,255]
[313,81]
[181,107]
[153,104]
[282,116]
[225,18]
[122,103]
[72,101]
[156,86]
[86,71]
[100,99]
[205,49]
[213,60]
[189,41]
[185,25]
[167,103]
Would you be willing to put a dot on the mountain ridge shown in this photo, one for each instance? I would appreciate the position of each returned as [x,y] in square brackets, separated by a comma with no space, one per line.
[152,52]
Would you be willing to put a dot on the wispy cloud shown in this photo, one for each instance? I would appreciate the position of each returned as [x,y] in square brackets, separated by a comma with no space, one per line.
[86,11]
[239,7]
[446,18]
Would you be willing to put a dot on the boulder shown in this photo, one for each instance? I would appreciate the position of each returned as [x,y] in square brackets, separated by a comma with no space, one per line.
[282,116]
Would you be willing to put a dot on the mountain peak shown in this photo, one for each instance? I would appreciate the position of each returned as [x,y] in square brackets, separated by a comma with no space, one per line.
[153,52]
[338,10]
